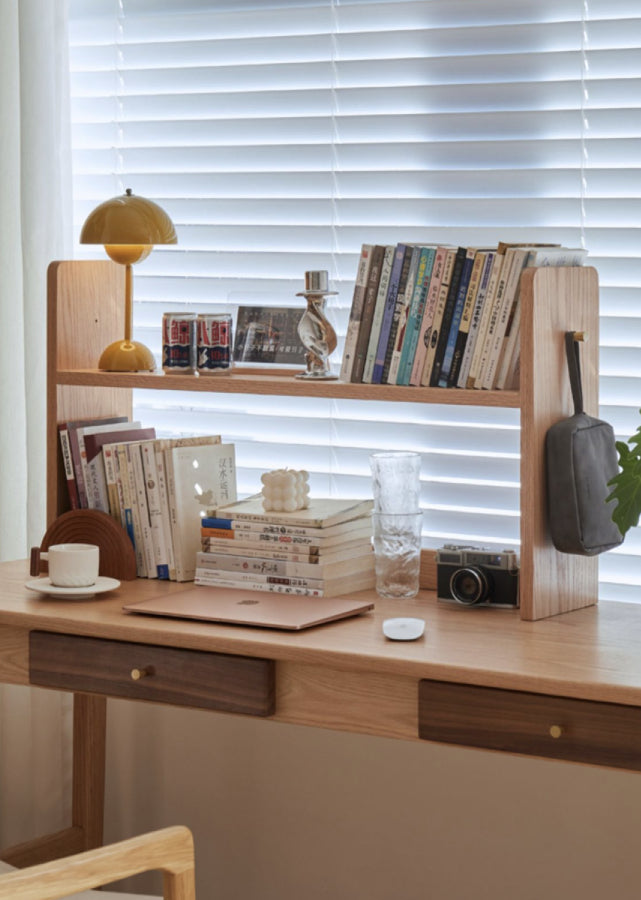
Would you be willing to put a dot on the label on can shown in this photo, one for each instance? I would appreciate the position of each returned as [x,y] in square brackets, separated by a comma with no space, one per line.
[213,339]
[179,343]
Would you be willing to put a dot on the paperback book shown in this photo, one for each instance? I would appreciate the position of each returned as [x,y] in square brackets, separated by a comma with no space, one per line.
[321,513]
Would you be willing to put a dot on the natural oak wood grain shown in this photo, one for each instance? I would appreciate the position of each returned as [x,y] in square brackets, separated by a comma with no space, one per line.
[86,311]
[51,846]
[89,762]
[606,734]
[160,674]
[554,300]
[14,652]
[169,850]
[270,384]
[367,703]
[590,653]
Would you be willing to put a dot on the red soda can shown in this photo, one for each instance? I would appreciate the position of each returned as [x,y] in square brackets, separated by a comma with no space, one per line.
[213,344]
[179,343]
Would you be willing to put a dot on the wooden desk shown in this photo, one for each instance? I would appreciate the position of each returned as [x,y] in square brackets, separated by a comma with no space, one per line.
[567,687]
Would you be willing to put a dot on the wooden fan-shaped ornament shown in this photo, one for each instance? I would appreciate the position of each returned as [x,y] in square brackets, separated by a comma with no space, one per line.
[90,526]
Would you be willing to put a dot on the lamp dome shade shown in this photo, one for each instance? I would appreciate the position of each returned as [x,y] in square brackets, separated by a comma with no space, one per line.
[128,219]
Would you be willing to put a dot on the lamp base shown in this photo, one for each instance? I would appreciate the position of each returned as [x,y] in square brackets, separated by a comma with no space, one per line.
[127,356]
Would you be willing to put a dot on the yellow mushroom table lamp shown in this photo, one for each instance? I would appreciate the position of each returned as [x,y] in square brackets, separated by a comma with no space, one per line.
[128,227]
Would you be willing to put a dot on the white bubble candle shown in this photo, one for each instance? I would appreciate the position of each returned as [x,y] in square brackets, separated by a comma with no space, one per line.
[285,490]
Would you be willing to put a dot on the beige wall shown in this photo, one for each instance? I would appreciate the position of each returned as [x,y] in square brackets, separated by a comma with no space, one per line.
[295,813]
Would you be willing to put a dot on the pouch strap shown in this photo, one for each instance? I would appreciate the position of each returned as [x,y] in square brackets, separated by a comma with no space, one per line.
[574,369]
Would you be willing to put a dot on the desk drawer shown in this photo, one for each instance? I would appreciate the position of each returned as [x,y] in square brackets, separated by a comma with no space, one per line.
[606,734]
[146,672]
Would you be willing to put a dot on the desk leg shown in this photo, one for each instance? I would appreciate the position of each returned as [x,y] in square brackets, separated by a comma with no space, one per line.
[89,736]
[88,797]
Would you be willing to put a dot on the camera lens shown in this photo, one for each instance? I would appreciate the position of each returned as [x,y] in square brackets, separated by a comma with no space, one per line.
[469,585]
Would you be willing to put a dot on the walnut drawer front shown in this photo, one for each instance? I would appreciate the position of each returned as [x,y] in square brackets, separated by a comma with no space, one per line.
[181,677]
[607,734]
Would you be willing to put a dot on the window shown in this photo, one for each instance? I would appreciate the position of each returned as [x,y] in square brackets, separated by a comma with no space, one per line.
[281,135]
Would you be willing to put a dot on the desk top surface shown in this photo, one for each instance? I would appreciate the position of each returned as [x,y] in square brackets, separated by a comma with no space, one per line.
[593,653]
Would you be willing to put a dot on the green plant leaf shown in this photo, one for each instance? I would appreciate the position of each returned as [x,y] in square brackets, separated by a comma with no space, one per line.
[626,488]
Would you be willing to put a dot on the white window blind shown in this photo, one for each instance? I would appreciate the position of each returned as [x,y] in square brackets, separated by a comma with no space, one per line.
[281,135]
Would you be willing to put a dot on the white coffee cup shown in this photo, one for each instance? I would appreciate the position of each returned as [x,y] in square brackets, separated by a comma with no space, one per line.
[72,565]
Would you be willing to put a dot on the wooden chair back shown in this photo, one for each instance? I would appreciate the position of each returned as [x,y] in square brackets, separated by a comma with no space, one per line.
[171,850]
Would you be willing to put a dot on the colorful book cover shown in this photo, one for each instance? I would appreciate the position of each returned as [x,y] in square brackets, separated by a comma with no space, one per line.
[356,311]
[457,312]
[388,312]
[415,314]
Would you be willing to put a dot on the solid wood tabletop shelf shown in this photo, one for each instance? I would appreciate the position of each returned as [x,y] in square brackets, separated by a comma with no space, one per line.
[254,382]
[86,313]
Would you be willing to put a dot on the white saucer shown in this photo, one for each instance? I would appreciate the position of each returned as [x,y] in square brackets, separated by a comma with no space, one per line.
[403,629]
[44,586]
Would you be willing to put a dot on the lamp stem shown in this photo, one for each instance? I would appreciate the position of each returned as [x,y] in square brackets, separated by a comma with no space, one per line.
[128,301]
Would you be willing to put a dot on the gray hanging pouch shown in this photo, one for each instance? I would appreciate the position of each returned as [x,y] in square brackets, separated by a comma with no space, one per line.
[580,459]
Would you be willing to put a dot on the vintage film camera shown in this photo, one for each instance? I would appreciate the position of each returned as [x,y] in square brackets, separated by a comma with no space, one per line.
[474,576]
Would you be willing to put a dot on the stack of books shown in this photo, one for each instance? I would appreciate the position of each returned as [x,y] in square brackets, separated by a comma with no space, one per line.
[324,550]
[441,316]
[156,488]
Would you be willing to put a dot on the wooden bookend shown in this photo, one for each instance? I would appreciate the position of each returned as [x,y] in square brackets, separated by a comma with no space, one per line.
[92,526]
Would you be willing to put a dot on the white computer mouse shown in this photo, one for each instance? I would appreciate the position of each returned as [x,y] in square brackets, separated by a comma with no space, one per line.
[403,629]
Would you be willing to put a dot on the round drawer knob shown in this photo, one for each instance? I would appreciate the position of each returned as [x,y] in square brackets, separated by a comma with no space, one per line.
[556,731]
[137,674]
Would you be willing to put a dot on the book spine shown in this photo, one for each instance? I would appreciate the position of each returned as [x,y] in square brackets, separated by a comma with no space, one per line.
[398,314]
[475,320]
[480,350]
[173,514]
[288,540]
[415,315]
[140,508]
[96,485]
[164,506]
[110,462]
[455,320]
[231,583]
[67,461]
[358,511]
[401,331]
[241,525]
[437,322]
[425,326]
[369,302]
[208,573]
[158,540]
[552,256]
[448,312]
[81,470]
[511,337]
[263,566]
[503,314]
[377,318]
[466,319]
[127,505]
[355,314]
[388,313]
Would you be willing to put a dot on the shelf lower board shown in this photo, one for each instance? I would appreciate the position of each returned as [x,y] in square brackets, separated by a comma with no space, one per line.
[284,383]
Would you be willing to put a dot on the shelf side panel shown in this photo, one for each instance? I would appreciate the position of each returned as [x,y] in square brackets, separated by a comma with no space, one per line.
[85,313]
[554,300]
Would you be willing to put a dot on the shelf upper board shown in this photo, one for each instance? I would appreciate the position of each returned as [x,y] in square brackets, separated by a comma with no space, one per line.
[269,383]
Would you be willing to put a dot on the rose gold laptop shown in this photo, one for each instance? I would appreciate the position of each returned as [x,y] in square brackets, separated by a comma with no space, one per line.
[258,608]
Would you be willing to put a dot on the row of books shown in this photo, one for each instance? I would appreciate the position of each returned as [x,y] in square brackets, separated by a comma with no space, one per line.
[441,316]
[156,488]
[324,550]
